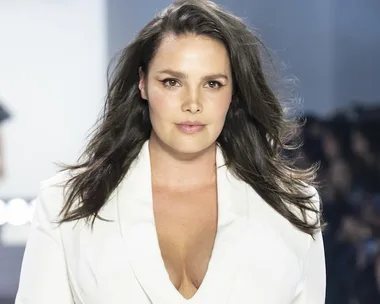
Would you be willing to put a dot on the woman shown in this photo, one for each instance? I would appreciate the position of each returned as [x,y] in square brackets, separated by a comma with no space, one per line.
[182,195]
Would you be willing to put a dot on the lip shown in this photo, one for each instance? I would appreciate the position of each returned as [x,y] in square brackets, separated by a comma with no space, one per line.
[190,127]
[191,123]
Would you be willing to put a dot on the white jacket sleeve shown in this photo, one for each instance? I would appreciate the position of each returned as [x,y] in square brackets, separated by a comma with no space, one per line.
[314,288]
[43,278]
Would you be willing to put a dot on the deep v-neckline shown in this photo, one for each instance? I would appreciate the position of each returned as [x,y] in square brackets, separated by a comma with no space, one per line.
[137,223]
[204,214]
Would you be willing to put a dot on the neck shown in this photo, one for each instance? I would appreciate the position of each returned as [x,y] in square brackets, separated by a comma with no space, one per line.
[172,169]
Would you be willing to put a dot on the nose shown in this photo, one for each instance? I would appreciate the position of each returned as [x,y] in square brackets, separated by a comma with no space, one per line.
[192,103]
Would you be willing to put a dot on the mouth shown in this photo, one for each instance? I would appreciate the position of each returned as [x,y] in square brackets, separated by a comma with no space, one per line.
[190,127]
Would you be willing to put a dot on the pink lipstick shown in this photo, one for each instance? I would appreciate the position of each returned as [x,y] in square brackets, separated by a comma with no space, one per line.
[190,127]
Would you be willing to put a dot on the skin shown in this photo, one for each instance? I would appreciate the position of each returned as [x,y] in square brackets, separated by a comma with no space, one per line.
[189,79]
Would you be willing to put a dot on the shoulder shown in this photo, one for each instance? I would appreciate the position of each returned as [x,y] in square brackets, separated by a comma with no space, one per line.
[310,212]
[312,209]
[296,240]
[56,180]
[52,192]
[56,184]
[311,215]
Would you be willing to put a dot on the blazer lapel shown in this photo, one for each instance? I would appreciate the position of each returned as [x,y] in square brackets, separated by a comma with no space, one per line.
[136,219]
[101,267]
[232,225]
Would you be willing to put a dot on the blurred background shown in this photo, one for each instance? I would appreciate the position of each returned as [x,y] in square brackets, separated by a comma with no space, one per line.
[53,61]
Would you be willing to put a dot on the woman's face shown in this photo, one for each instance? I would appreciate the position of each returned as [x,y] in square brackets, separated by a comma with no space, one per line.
[189,91]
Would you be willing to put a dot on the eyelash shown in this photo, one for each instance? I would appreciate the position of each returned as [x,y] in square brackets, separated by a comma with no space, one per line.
[165,83]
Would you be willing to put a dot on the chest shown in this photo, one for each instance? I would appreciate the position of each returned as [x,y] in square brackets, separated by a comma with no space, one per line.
[186,224]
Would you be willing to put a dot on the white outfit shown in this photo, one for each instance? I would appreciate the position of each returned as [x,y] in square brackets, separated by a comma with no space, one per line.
[258,256]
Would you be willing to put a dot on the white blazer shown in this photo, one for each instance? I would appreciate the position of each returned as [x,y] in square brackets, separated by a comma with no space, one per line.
[258,257]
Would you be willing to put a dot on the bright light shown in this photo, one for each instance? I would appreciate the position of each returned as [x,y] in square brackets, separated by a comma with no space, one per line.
[3,213]
[18,212]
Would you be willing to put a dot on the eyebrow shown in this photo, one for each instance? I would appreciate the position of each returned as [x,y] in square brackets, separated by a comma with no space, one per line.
[178,74]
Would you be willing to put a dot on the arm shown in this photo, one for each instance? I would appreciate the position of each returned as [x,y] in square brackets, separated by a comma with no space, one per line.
[314,288]
[43,277]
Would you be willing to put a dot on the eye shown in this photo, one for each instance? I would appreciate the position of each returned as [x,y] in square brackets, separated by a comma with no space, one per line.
[170,83]
[214,84]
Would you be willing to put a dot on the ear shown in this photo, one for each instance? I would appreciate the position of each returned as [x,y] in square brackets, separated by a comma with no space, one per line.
[142,85]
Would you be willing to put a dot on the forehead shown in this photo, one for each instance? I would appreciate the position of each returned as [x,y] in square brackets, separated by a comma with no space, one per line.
[189,52]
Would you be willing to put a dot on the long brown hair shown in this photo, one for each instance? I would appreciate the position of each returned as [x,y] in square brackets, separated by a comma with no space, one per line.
[252,140]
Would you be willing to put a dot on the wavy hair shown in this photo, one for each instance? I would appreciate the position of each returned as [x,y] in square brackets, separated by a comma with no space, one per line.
[253,138]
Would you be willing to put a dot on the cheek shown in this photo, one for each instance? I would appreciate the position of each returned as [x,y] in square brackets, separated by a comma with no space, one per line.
[220,108]
[160,105]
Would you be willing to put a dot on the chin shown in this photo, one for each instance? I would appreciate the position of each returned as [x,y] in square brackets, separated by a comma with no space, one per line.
[184,146]
[190,147]
[188,150]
